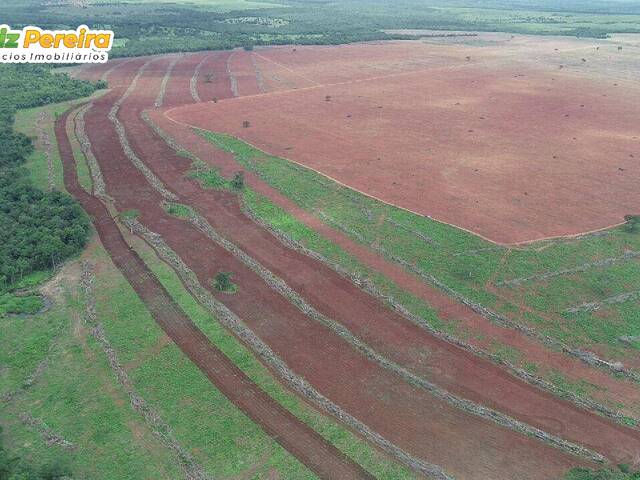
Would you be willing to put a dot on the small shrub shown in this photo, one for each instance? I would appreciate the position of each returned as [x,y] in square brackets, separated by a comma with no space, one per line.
[19,305]
[223,283]
[238,181]
[178,210]
[246,124]
[632,224]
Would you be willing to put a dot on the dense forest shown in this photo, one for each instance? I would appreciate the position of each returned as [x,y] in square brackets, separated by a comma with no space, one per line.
[38,229]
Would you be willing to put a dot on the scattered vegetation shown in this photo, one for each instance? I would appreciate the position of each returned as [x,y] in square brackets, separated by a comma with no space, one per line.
[238,181]
[20,305]
[143,30]
[177,210]
[16,468]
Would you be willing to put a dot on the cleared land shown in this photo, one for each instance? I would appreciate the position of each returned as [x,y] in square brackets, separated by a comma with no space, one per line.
[299,439]
[508,150]
[292,335]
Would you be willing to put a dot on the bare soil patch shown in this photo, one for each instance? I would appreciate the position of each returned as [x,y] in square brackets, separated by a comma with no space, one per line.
[510,152]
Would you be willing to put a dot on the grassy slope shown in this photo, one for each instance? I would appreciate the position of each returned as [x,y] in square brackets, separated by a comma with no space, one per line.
[475,267]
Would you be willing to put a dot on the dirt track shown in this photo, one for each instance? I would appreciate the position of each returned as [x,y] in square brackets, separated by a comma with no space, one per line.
[316,283]
[322,458]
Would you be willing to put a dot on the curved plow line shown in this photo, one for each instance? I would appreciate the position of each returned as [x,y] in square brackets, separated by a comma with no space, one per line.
[465,405]
[538,382]
[193,83]
[122,136]
[105,75]
[606,262]
[50,437]
[592,307]
[97,181]
[232,77]
[259,76]
[165,80]
[295,382]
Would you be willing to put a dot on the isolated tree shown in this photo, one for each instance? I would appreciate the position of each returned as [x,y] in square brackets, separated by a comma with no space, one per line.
[246,124]
[208,78]
[238,181]
[223,283]
[327,98]
[215,99]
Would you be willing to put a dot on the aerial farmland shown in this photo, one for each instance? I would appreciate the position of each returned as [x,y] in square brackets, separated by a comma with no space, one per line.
[402,251]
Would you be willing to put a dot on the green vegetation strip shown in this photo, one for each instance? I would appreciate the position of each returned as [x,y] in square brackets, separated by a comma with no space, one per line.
[462,264]
[287,292]
[298,236]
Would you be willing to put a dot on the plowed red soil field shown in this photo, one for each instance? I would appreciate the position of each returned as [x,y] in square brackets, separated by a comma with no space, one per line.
[426,427]
[321,457]
[430,429]
[450,367]
[534,352]
[510,152]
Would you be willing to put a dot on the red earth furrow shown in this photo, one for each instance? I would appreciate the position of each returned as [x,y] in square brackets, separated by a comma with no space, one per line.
[244,71]
[219,86]
[454,369]
[409,417]
[613,390]
[178,91]
[296,437]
